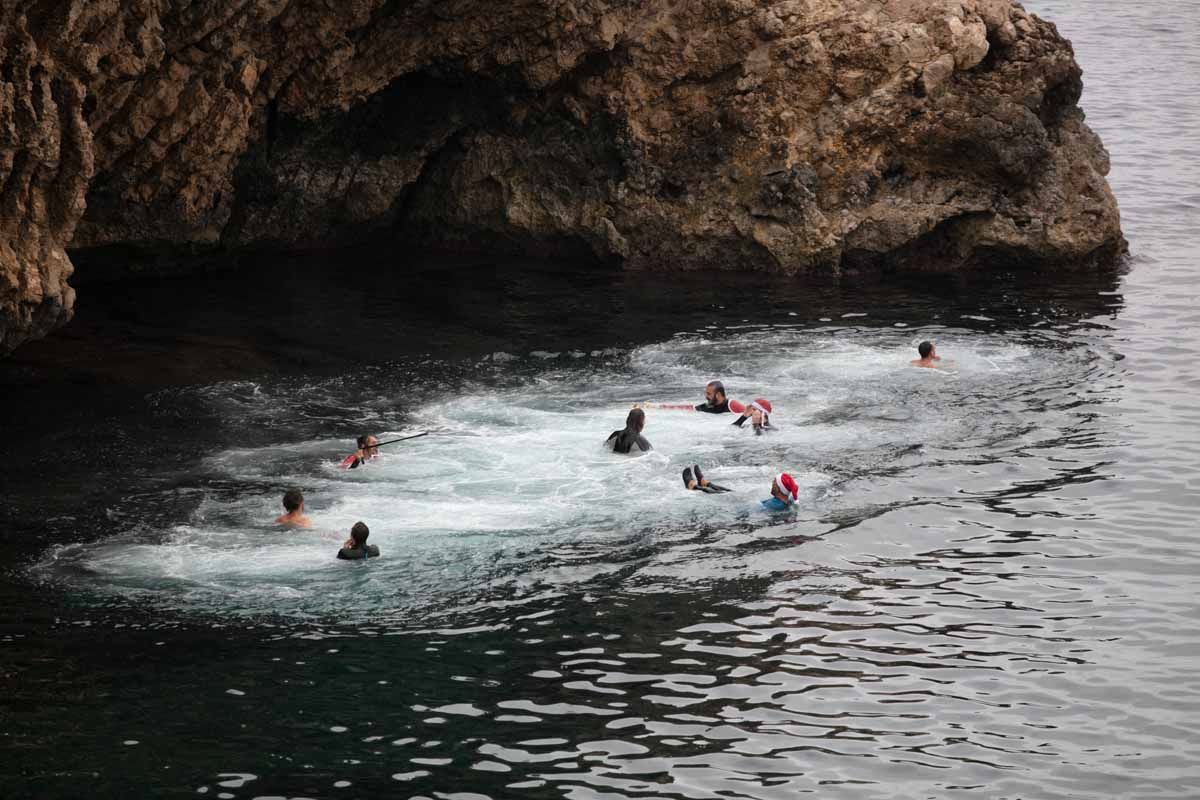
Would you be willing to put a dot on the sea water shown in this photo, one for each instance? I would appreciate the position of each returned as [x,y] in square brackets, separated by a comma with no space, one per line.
[987,589]
[512,477]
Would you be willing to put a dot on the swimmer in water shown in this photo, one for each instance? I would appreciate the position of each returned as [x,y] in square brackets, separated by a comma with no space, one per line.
[784,493]
[356,546]
[759,414]
[630,440]
[715,401]
[928,354]
[366,451]
[694,480]
[293,503]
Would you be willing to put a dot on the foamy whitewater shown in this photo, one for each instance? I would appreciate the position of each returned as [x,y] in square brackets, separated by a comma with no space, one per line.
[514,488]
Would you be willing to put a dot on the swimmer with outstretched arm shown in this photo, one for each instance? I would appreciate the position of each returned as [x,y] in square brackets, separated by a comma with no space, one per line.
[368,448]
[715,401]
[630,440]
[293,504]
[695,481]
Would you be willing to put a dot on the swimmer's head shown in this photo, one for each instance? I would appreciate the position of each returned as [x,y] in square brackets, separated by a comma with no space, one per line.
[714,393]
[760,411]
[636,420]
[293,500]
[359,533]
[925,349]
[362,441]
[784,488]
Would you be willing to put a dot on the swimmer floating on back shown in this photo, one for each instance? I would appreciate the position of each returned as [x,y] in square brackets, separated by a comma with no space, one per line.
[929,356]
[694,480]
[293,503]
[784,493]
[365,452]
[758,412]
[356,546]
[630,440]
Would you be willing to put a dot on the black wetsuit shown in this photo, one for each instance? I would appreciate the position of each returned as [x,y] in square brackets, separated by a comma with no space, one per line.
[709,488]
[357,553]
[707,408]
[627,441]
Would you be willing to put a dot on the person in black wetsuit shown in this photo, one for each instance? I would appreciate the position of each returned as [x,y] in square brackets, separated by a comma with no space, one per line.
[630,440]
[694,480]
[356,546]
[715,401]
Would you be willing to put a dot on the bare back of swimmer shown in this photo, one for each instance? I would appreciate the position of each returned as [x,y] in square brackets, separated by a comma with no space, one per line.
[929,356]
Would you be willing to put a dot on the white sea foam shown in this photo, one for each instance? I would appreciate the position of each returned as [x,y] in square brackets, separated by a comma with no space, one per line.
[515,487]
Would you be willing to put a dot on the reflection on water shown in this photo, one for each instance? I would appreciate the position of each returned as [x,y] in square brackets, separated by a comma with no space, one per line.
[989,589]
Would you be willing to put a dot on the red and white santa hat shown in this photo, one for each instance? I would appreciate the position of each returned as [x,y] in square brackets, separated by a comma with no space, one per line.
[788,484]
[736,407]
[762,404]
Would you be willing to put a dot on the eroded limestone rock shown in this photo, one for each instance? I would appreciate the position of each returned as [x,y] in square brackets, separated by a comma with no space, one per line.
[742,134]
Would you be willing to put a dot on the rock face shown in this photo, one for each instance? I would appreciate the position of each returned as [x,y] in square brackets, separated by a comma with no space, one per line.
[743,134]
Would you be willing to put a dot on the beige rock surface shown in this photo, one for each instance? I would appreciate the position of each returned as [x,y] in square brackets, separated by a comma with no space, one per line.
[742,134]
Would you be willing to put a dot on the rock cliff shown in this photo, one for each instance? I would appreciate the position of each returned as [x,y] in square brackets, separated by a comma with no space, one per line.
[664,134]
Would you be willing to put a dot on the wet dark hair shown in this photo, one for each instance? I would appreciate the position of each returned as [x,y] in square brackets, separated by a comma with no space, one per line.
[718,387]
[925,348]
[362,440]
[626,439]
[359,534]
[292,499]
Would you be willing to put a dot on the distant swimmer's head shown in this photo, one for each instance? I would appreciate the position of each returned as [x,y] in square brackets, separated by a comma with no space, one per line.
[359,534]
[784,488]
[636,420]
[293,500]
[361,441]
[714,393]
[925,349]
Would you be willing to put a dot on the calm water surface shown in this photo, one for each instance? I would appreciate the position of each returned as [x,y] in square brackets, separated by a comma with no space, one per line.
[989,588]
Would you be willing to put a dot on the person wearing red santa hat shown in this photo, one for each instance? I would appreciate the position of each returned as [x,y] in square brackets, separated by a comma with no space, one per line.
[758,412]
[784,493]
